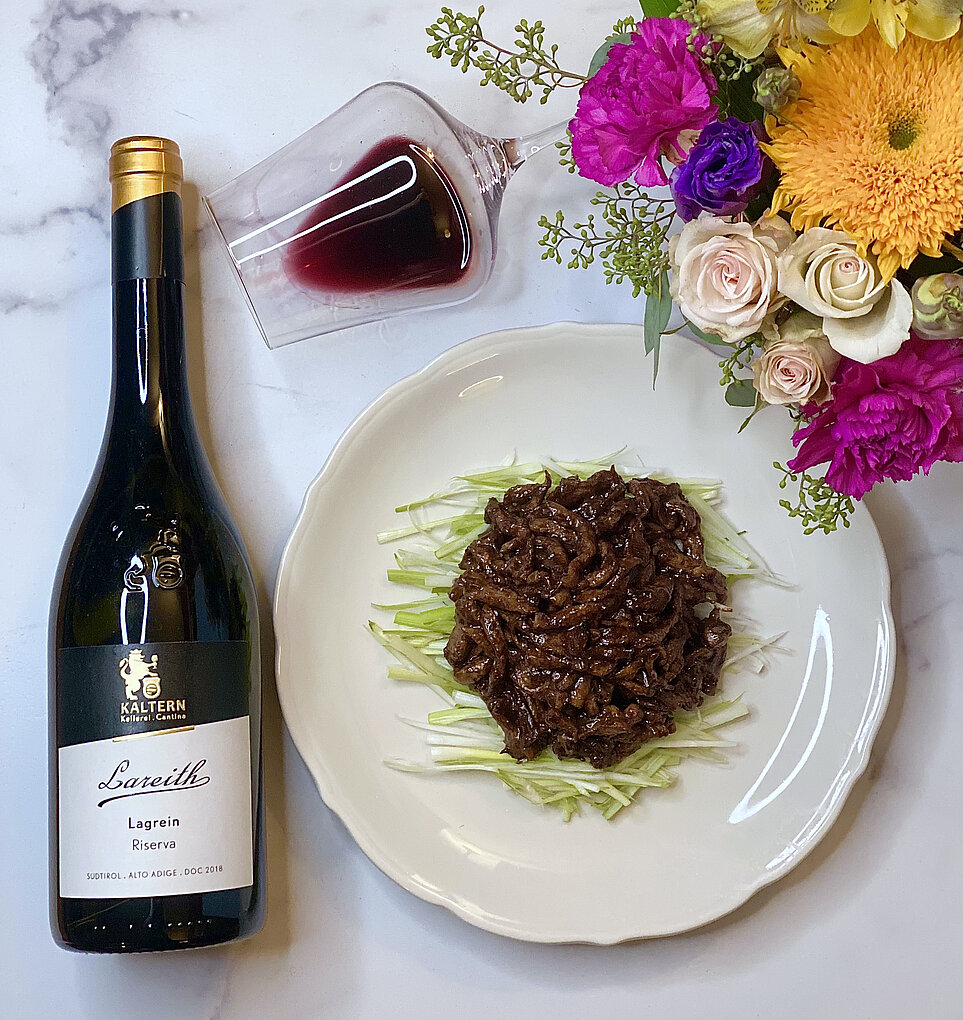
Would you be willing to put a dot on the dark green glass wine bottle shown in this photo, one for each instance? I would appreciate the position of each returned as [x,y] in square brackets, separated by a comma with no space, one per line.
[156,822]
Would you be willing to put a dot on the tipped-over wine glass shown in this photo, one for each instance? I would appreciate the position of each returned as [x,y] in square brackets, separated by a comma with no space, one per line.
[387,206]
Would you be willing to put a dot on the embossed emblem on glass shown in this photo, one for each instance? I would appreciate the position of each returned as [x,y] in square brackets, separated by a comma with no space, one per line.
[140,675]
[160,563]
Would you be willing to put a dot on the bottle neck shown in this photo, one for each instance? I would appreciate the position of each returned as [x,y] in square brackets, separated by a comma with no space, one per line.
[150,398]
[150,390]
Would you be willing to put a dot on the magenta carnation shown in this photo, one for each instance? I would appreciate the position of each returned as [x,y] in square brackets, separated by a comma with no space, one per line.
[889,419]
[632,111]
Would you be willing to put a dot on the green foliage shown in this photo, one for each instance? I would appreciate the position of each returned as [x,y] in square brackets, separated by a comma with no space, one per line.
[741,393]
[736,97]
[726,66]
[658,308]
[601,54]
[659,8]
[565,158]
[621,33]
[521,70]
[762,201]
[625,26]
[737,362]
[709,338]
[627,235]
[818,505]
[758,406]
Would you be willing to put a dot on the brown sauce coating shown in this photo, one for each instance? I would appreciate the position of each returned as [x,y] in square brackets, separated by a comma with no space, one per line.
[575,616]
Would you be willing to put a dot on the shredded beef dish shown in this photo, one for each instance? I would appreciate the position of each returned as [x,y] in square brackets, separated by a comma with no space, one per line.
[586,615]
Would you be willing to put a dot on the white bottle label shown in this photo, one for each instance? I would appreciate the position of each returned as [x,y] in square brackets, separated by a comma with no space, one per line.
[157,813]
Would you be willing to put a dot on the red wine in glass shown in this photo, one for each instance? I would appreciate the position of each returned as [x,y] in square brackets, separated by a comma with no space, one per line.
[410,226]
[394,220]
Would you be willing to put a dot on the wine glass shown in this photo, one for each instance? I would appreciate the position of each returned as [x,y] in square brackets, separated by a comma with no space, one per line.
[387,206]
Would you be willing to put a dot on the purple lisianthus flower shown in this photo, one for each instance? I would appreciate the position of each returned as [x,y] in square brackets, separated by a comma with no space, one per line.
[722,172]
[888,419]
[633,110]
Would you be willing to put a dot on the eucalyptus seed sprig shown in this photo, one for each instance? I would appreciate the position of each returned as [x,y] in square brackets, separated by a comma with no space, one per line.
[528,65]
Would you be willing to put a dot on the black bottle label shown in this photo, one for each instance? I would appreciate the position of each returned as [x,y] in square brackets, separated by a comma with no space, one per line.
[154,764]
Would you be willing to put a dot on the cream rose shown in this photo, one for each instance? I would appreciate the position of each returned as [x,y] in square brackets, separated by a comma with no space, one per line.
[724,274]
[864,318]
[799,366]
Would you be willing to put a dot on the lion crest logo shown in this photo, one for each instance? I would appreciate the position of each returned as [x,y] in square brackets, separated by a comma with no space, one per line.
[140,674]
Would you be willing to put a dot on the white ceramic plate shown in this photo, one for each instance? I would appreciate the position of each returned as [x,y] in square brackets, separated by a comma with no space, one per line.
[679,857]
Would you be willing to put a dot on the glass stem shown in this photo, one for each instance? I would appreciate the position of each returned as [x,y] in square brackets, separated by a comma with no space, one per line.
[519,149]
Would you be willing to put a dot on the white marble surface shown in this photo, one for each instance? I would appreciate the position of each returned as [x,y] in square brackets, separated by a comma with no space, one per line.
[869,926]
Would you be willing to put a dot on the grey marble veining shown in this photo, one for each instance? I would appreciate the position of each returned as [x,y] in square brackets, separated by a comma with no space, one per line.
[28,228]
[72,45]
[34,233]
[73,37]
[870,925]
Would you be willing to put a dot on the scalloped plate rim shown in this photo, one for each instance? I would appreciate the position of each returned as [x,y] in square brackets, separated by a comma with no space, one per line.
[326,785]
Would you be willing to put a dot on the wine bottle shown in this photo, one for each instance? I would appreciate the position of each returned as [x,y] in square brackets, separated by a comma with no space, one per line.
[156,827]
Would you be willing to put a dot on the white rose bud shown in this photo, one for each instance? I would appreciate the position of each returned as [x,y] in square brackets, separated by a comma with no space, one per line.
[724,274]
[799,366]
[864,318]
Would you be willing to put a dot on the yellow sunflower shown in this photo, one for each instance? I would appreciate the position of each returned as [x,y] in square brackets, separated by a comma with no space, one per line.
[874,144]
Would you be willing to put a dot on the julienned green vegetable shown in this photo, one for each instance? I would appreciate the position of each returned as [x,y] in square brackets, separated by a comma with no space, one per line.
[462,736]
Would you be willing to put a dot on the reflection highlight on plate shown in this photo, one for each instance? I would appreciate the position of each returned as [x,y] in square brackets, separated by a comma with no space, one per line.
[825,810]
[532,860]
[485,857]
[751,803]
[480,387]
[480,360]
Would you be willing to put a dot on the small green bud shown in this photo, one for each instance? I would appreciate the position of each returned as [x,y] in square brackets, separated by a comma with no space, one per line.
[938,307]
[776,87]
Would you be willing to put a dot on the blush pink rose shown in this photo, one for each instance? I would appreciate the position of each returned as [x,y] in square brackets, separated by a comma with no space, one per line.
[798,367]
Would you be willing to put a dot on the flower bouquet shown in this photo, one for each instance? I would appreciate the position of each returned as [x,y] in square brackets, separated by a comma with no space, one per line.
[789,175]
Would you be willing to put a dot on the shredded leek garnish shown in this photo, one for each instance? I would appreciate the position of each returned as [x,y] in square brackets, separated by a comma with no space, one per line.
[462,736]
